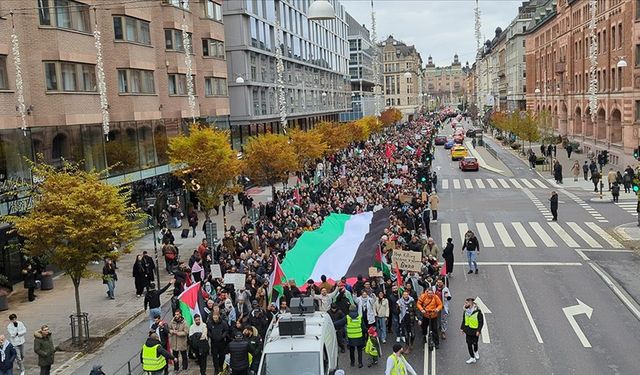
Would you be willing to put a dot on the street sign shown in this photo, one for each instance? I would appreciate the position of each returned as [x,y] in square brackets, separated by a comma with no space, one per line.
[570,312]
[486,339]
[212,231]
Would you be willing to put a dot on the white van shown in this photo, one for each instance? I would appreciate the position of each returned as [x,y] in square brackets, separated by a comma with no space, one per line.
[301,345]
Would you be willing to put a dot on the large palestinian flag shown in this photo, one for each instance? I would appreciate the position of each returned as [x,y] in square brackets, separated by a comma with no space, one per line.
[345,245]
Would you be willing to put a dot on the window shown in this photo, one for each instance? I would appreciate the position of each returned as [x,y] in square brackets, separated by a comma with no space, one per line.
[213,48]
[173,40]
[4,78]
[213,10]
[184,4]
[70,77]
[178,84]
[637,55]
[135,81]
[68,14]
[215,86]
[637,110]
[131,30]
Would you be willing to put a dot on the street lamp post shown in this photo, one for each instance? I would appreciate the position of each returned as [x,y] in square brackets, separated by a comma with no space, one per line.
[152,219]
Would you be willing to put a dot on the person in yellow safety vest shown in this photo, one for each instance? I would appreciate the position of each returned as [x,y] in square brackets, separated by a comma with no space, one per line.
[397,364]
[356,331]
[472,323]
[153,356]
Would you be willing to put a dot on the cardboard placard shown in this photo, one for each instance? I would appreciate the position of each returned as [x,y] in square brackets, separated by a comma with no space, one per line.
[405,198]
[216,273]
[407,260]
[237,279]
[374,272]
[397,181]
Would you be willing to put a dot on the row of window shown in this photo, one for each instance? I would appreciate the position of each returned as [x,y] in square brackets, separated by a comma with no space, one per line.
[62,76]
[74,15]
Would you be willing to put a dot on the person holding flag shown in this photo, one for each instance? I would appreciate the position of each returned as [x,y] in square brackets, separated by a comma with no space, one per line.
[276,280]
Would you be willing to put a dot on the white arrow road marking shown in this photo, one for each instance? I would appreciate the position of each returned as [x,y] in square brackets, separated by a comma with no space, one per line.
[433,362]
[570,312]
[425,368]
[485,328]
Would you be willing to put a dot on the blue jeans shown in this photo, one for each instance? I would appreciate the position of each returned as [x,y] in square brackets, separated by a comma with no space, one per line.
[472,257]
[111,287]
[381,326]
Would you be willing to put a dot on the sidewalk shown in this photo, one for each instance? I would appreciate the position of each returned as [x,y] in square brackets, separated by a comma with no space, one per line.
[106,317]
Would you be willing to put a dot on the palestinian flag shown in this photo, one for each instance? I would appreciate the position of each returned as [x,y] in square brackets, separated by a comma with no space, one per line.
[380,264]
[277,279]
[189,303]
[345,245]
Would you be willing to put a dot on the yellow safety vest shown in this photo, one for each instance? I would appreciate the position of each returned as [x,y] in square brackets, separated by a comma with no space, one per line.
[354,327]
[151,361]
[471,321]
[398,366]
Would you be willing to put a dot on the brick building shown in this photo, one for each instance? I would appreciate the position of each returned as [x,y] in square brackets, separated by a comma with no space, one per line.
[402,76]
[557,53]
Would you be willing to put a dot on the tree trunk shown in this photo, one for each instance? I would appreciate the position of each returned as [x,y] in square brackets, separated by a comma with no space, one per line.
[76,290]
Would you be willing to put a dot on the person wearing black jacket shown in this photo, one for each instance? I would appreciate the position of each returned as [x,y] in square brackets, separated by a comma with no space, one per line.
[150,343]
[219,335]
[447,254]
[473,248]
[152,300]
[471,326]
[339,320]
[553,202]
[30,276]
[239,353]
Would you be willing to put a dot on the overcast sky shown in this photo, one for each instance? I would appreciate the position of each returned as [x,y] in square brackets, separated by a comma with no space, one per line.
[440,28]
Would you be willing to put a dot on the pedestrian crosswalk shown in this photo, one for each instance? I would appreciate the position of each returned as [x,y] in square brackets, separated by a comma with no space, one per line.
[629,206]
[533,234]
[592,211]
[490,183]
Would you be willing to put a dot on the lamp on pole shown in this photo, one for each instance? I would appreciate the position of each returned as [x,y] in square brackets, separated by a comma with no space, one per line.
[321,10]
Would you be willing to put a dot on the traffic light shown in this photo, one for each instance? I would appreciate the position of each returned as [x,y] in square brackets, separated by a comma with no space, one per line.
[636,184]
[605,157]
[636,153]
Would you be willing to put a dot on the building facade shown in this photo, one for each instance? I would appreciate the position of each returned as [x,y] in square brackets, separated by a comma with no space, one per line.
[516,65]
[402,76]
[315,58]
[443,85]
[145,76]
[361,71]
[558,75]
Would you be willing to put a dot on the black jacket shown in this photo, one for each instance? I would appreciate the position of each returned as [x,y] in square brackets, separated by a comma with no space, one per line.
[218,332]
[554,201]
[471,331]
[239,352]
[161,351]
[471,244]
[152,297]
[9,357]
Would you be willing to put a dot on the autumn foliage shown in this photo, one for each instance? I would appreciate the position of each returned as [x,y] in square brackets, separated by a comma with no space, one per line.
[269,158]
[390,116]
[307,146]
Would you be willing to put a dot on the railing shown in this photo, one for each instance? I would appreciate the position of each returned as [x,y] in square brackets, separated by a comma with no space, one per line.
[490,150]
[132,367]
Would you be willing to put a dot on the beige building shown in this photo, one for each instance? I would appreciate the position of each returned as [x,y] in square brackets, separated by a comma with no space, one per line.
[444,85]
[145,76]
[402,76]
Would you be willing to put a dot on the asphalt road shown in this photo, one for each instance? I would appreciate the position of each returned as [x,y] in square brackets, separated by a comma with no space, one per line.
[551,311]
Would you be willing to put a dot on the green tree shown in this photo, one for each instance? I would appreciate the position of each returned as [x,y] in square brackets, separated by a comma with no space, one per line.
[528,128]
[76,218]
[269,158]
[206,163]
[545,126]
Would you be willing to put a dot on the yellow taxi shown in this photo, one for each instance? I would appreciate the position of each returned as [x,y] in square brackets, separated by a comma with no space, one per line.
[458,152]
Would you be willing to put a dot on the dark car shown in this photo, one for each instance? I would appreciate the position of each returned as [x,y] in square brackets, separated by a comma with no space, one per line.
[440,140]
[471,133]
[469,164]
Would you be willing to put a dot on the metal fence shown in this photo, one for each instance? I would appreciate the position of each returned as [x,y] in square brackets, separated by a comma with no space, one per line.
[132,367]
[490,150]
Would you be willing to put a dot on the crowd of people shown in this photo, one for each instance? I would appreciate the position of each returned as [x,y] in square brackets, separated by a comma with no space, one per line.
[363,177]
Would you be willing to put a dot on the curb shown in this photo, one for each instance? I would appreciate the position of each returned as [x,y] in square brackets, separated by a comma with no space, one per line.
[481,161]
[620,231]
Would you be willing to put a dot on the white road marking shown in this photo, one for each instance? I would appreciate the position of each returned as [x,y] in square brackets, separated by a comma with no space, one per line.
[456,183]
[492,183]
[522,232]
[527,183]
[463,228]
[570,312]
[534,327]
[480,183]
[433,362]
[621,295]
[425,366]
[484,333]
[504,236]
[467,183]
[484,235]
[515,183]
[445,232]
[563,234]
[503,183]
[546,239]
[584,235]
[445,184]
[577,264]
[539,183]
[605,236]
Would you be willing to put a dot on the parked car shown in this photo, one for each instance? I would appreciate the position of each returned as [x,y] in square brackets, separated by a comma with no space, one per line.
[440,140]
[469,164]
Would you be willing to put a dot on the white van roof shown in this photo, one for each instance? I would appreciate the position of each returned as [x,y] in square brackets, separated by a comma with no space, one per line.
[311,341]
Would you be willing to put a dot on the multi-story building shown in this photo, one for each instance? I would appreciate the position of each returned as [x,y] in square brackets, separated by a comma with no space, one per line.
[491,76]
[515,68]
[558,64]
[361,71]
[145,76]
[402,75]
[469,85]
[443,85]
[315,56]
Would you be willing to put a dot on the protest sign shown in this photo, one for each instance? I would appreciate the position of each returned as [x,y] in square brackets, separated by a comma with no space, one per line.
[407,260]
